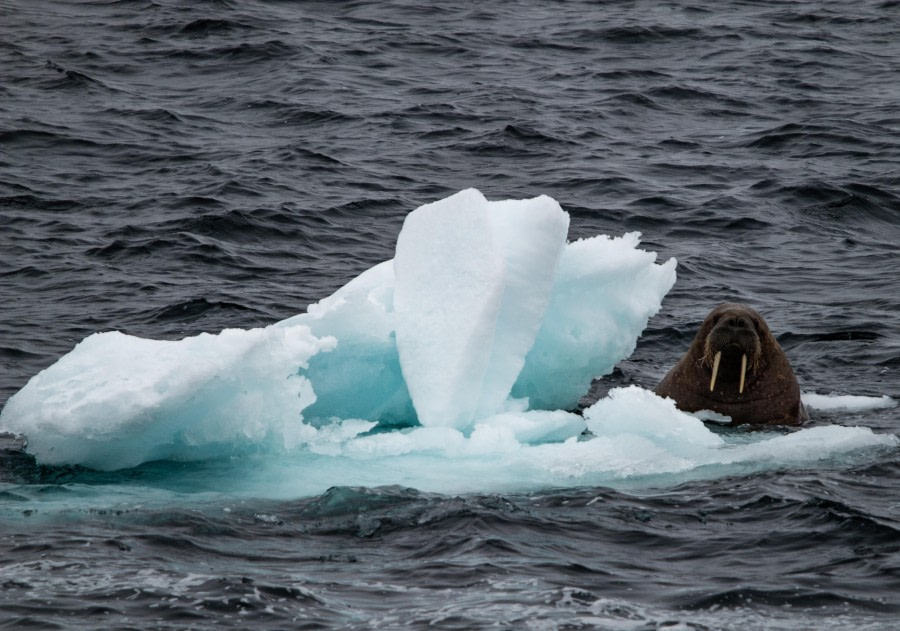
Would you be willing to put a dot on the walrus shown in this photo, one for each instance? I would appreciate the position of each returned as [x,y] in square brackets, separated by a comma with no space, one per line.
[735,367]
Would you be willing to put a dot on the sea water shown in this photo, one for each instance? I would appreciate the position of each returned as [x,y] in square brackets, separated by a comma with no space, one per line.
[204,172]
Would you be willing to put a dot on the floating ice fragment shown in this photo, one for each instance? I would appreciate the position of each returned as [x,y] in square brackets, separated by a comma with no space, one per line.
[116,400]
[847,402]
[536,426]
[713,417]
[640,412]
[807,445]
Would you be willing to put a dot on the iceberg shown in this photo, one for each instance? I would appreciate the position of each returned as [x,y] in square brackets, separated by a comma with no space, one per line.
[452,366]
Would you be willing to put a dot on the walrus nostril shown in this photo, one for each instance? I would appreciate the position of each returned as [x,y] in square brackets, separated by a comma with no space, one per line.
[737,323]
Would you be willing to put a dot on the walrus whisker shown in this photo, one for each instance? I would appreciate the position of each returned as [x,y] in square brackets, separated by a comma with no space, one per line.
[715,371]
[743,373]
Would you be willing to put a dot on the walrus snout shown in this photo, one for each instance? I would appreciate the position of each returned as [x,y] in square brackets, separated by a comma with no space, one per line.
[726,336]
[735,337]
[736,322]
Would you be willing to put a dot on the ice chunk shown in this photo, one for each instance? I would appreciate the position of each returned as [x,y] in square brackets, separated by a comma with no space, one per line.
[640,412]
[116,401]
[806,445]
[473,279]
[534,426]
[712,417]
[638,434]
[846,402]
[605,292]
[361,377]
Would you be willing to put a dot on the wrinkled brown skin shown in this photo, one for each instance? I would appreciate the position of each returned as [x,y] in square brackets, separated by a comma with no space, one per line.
[771,394]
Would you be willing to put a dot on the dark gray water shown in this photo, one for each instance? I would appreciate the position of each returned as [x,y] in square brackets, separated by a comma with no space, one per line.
[168,168]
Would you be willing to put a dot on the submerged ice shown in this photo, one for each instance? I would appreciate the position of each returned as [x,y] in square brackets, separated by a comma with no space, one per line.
[449,368]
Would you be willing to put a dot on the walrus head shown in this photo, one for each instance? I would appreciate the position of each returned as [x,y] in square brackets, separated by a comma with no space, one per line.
[735,367]
[733,343]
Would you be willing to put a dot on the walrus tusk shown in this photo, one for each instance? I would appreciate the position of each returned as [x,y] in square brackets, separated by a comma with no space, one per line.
[743,372]
[712,382]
